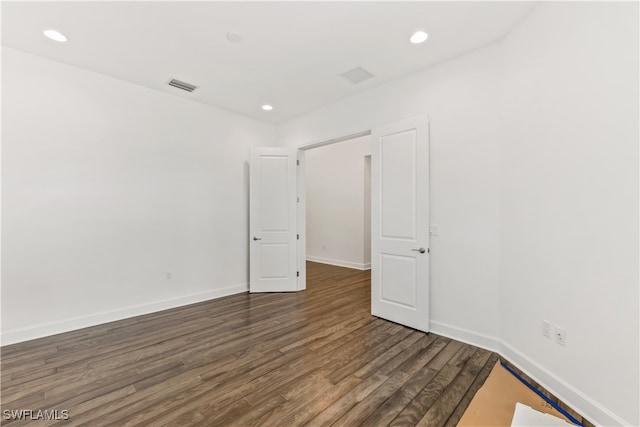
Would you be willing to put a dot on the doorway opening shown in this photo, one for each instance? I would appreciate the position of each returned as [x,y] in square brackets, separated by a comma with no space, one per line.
[338,203]
[399,216]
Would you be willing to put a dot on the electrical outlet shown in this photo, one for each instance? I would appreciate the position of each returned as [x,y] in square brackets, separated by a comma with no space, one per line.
[546,328]
[561,336]
[169,276]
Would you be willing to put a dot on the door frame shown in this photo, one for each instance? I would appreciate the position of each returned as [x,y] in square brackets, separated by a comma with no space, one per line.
[302,197]
[302,190]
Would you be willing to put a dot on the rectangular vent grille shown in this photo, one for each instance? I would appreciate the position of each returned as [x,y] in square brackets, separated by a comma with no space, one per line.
[182,85]
[357,75]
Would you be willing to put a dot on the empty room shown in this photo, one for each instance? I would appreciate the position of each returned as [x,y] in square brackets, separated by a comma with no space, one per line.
[320,213]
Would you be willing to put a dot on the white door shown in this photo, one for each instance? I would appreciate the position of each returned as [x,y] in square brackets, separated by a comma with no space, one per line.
[400,222]
[272,220]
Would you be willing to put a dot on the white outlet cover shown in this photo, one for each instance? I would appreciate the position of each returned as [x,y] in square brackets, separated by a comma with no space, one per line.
[561,336]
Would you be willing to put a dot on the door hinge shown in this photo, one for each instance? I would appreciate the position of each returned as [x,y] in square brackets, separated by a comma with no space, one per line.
[428,250]
[297,237]
[298,199]
[297,274]
[297,162]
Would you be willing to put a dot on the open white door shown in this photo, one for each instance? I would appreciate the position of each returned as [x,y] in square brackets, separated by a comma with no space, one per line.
[272,220]
[400,222]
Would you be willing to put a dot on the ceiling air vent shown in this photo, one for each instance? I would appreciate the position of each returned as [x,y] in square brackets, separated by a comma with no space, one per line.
[182,85]
[357,75]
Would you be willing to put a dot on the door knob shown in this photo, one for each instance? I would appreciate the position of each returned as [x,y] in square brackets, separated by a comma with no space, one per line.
[256,238]
[421,250]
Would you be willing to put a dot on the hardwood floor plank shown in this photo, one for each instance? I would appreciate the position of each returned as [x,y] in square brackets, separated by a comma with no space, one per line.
[311,408]
[475,386]
[336,374]
[287,359]
[420,404]
[361,410]
[223,417]
[88,408]
[420,374]
[414,364]
[443,408]
[336,410]
[295,397]
[406,354]
[379,361]
[390,408]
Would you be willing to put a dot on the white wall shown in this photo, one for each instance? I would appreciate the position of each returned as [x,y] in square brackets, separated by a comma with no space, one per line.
[336,203]
[534,187]
[108,186]
[461,99]
[570,201]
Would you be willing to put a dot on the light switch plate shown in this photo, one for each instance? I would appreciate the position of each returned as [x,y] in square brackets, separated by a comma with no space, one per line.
[546,328]
[434,230]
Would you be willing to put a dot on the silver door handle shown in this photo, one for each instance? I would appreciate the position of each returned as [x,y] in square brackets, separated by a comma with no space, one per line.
[421,250]
[256,238]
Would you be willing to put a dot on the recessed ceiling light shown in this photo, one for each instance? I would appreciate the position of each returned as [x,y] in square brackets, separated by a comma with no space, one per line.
[55,35]
[234,37]
[267,107]
[419,37]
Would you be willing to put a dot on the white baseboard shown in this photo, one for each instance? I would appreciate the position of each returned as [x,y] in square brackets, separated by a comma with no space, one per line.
[466,336]
[66,325]
[581,403]
[339,263]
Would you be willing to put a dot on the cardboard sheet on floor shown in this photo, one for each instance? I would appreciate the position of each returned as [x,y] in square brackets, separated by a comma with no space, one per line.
[495,403]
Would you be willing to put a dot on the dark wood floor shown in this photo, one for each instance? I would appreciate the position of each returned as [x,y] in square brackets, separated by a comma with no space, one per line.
[315,357]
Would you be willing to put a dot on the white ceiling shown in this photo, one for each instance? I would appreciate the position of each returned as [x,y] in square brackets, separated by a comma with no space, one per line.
[291,56]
